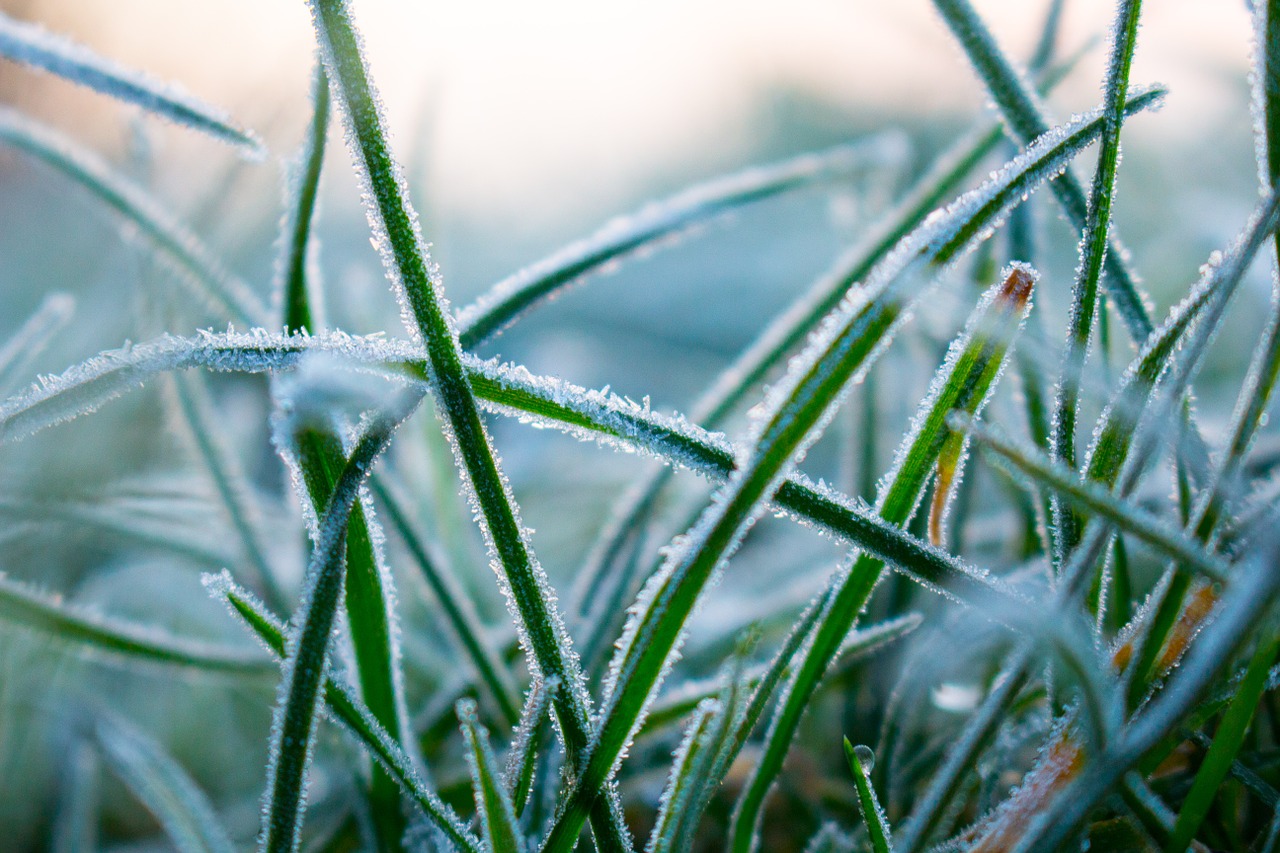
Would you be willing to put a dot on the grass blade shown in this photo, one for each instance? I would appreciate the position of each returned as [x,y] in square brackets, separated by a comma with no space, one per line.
[33,336]
[405,257]
[297,272]
[75,824]
[117,640]
[523,758]
[693,755]
[32,45]
[861,760]
[160,784]
[346,708]
[213,283]
[497,816]
[502,304]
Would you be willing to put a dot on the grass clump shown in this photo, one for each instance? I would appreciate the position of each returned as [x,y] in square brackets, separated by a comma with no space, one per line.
[1067,639]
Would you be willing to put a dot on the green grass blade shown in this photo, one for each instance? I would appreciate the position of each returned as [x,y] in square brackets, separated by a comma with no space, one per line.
[1227,741]
[160,784]
[1025,117]
[1093,249]
[1126,515]
[118,640]
[523,758]
[33,336]
[75,823]
[300,695]
[694,752]
[457,606]
[228,480]
[963,382]
[212,282]
[500,831]
[502,304]
[346,708]
[405,257]
[861,760]
[297,273]
[34,46]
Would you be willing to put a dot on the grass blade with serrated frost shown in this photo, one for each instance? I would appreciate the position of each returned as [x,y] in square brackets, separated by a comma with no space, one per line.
[294,722]
[160,784]
[1093,250]
[346,708]
[497,816]
[32,45]
[1025,117]
[1126,515]
[417,285]
[229,481]
[20,605]
[212,281]
[33,336]
[298,288]
[693,748]
[523,757]
[872,814]
[1227,740]
[505,301]
[964,382]
[457,606]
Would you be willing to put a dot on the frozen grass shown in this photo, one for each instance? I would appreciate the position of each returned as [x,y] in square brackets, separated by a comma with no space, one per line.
[1092,619]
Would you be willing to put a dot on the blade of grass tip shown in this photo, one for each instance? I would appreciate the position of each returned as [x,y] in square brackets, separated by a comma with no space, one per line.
[1025,117]
[294,721]
[522,760]
[794,412]
[965,380]
[695,749]
[1227,740]
[228,479]
[298,273]
[346,708]
[213,283]
[33,336]
[118,640]
[393,221]
[1093,250]
[1246,600]
[861,761]
[503,303]
[457,605]
[160,784]
[75,824]
[788,331]
[1126,515]
[497,816]
[35,46]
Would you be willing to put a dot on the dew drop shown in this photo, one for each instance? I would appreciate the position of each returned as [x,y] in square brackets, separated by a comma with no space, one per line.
[865,757]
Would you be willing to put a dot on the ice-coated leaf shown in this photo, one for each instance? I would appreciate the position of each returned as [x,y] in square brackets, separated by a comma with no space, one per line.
[160,784]
[212,283]
[346,708]
[35,46]
[502,304]
[523,757]
[695,750]
[498,823]
[861,762]
[119,640]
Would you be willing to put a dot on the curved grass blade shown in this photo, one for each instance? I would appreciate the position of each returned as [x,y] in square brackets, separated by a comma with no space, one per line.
[212,282]
[861,760]
[417,284]
[503,303]
[295,718]
[1093,250]
[297,273]
[35,46]
[346,708]
[33,336]
[963,382]
[228,480]
[497,816]
[123,641]
[523,757]
[1126,515]
[160,784]
[1025,117]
